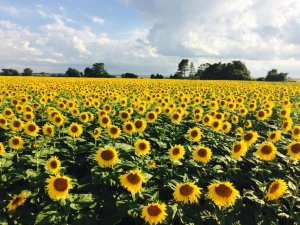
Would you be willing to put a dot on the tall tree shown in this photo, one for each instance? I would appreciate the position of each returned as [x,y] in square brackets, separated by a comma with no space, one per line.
[71,72]
[98,70]
[27,72]
[10,72]
[192,70]
[182,68]
[273,75]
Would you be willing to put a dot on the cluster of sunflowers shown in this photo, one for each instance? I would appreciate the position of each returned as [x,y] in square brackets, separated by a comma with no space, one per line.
[116,151]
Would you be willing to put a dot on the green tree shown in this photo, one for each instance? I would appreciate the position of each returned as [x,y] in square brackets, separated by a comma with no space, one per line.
[192,70]
[27,72]
[71,72]
[182,68]
[10,72]
[273,75]
[99,71]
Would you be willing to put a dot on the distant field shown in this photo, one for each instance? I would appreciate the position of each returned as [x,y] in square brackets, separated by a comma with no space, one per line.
[141,151]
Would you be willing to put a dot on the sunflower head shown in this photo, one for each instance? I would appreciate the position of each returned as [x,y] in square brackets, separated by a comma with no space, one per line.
[104,121]
[194,134]
[132,180]
[274,136]
[114,131]
[154,213]
[151,117]
[266,151]
[48,130]
[53,165]
[142,147]
[75,130]
[250,137]
[58,187]
[238,150]
[16,142]
[140,125]
[187,192]
[293,150]
[128,127]
[176,152]
[107,157]
[222,193]
[96,133]
[2,149]
[17,201]
[202,154]
[31,129]
[296,132]
[276,189]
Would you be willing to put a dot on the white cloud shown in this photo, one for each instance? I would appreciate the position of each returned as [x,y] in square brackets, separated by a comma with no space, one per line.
[98,20]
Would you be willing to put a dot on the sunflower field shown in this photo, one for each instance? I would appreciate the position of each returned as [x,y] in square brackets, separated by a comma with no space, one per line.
[141,151]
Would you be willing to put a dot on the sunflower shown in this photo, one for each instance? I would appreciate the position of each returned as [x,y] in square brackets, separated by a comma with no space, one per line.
[2,149]
[142,147]
[8,113]
[266,151]
[293,150]
[84,117]
[176,152]
[187,192]
[16,125]
[222,193]
[17,201]
[248,124]
[274,136]
[207,119]
[287,124]
[261,115]
[58,187]
[31,129]
[216,125]
[151,164]
[48,130]
[202,154]
[132,180]
[53,165]
[28,116]
[194,134]
[285,112]
[238,150]
[250,137]
[234,119]
[114,131]
[226,127]
[96,133]
[107,156]
[15,142]
[276,189]
[104,121]
[58,120]
[124,116]
[151,117]
[75,130]
[296,132]
[128,127]
[3,121]
[140,125]
[176,117]
[154,213]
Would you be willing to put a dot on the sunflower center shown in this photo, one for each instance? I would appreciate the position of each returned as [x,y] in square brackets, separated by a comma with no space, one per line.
[202,152]
[261,114]
[57,119]
[28,116]
[223,191]
[194,133]
[133,178]
[215,124]
[186,190]
[16,200]
[175,116]
[272,136]
[295,148]
[53,164]
[83,117]
[138,124]
[60,184]
[237,148]
[31,127]
[296,131]
[107,155]
[248,137]
[206,119]
[15,141]
[266,149]
[151,116]
[17,123]
[2,121]
[113,130]
[49,130]
[74,129]
[104,120]
[142,146]
[154,210]
[7,112]
[176,151]
[129,127]
[274,187]
[124,115]
[283,112]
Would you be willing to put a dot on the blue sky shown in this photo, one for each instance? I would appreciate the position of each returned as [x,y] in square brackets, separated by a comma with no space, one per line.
[149,36]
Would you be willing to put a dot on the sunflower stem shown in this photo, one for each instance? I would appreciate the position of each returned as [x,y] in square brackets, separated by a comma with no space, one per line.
[133,196]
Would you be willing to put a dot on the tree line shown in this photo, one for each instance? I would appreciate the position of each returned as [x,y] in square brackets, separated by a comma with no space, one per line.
[235,70]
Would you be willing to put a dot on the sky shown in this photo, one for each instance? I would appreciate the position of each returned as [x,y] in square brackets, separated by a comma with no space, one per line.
[149,36]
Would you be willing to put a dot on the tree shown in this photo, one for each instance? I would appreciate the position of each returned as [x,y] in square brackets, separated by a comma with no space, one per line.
[273,75]
[182,68]
[157,76]
[129,75]
[88,72]
[71,72]
[10,72]
[192,70]
[27,72]
[201,69]
[96,71]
